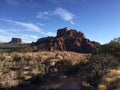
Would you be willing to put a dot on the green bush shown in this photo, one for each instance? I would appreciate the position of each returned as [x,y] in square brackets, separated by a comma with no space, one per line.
[112,48]
[79,69]
[99,66]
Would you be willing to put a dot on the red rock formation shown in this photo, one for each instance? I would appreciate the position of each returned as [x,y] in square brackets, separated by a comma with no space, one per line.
[69,32]
[66,40]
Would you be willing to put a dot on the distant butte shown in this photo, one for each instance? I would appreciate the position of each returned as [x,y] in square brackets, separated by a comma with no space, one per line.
[66,40]
[16,41]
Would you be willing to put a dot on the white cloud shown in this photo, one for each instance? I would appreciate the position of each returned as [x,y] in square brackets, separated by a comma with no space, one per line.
[14,30]
[5,35]
[2,31]
[29,26]
[5,32]
[43,15]
[50,34]
[26,37]
[34,36]
[71,22]
[41,24]
[3,38]
[40,15]
[46,13]
[64,14]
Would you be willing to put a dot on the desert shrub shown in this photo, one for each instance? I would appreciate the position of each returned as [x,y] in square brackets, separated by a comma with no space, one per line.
[58,70]
[99,66]
[94,69]
[79,68]
[63,66]
[111,48]
[38,73]
[17,58]
[52,73]
[2,57]
[39,68]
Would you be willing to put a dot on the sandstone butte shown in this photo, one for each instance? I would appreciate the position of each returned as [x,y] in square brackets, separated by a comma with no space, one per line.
[16,41]
[66,40]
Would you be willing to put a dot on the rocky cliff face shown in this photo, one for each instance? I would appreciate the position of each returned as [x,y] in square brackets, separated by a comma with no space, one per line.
[69,32]
[66,40]
[16,41]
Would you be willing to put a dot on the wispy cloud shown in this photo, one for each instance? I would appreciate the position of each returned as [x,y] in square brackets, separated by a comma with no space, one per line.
[71,22]
[6,35]
[3,38]
[41,24]
[28,38]
[50,34]
[43,15]
[34,36]
[28,26]
[2,31]
[64,14]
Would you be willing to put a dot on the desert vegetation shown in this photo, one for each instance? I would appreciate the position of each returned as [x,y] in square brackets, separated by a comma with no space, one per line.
[11,47]
[62,70]
[36,67]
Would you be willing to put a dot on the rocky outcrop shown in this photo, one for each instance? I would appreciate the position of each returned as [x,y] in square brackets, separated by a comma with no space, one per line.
[66,40]
[69,32]
[16,41]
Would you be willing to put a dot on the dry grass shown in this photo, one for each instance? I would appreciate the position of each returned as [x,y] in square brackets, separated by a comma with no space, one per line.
[16,67]
[112,75]
[112,79]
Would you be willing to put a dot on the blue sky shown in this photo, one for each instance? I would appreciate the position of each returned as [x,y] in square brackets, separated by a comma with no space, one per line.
[30,20]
